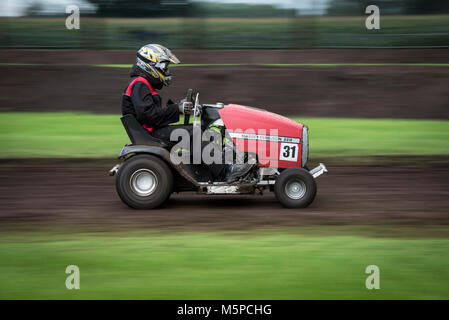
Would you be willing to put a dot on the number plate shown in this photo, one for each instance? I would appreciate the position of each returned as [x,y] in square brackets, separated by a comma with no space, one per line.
[289,152]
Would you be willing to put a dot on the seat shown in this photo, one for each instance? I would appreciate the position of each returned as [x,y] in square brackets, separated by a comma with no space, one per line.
[139,135]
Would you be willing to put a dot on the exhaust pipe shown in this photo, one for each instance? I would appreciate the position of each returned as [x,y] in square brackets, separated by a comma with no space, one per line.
[318,171]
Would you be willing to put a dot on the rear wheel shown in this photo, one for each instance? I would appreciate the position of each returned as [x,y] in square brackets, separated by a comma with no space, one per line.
[295,188]
[144,182]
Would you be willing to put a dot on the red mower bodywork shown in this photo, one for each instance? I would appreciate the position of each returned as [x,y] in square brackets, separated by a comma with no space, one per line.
[260,128]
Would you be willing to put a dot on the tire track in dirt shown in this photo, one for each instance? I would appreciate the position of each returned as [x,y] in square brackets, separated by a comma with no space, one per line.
[77,193]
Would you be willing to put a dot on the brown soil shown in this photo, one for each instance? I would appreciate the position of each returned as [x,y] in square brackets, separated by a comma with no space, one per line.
[74,192]
[357,91]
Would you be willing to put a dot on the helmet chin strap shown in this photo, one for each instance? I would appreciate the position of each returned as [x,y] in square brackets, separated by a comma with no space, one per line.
[156,83]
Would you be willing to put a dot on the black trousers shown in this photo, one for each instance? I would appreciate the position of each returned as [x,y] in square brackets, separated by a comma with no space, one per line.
[217,170]
[164,133]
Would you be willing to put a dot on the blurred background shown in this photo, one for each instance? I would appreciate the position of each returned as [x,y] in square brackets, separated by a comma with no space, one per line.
[376,103]
[184,24]
[299,49]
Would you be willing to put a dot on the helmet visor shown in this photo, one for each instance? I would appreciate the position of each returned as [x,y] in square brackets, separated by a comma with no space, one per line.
[163,66]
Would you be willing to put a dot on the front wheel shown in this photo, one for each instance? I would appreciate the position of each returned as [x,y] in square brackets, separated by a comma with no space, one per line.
[295,188]
[144,182]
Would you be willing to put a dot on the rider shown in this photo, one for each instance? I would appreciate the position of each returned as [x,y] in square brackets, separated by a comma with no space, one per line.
[140,99]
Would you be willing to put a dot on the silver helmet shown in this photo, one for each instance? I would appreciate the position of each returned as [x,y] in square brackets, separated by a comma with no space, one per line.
[154,59]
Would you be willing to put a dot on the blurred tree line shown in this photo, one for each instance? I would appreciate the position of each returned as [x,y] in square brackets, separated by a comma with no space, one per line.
[185,8]
[287,32]
[407,7]
[141,8]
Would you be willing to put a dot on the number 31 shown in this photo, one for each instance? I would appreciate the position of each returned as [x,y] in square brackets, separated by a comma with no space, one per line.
[287,150]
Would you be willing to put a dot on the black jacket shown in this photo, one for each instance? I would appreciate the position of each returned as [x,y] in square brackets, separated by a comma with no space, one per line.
[147,107]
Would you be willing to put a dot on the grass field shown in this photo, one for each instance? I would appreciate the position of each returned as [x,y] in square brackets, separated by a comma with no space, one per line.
[126,66]
[293,264]
[90,135]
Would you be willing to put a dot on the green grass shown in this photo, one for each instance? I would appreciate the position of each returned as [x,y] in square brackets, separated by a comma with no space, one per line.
[61,135]
[91,135]
[354,137]
[239,265]
[277,65]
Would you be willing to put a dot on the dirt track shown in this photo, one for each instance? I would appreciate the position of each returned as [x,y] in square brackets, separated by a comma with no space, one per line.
[79,193]
[325,91]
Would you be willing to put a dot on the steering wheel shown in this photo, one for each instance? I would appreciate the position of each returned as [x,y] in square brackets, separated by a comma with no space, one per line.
[188,98]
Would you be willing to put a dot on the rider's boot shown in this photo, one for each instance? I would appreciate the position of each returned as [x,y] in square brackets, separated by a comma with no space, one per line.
[236,171]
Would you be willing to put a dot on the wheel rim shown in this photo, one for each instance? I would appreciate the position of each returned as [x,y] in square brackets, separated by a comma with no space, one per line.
[143,182]
[295,189]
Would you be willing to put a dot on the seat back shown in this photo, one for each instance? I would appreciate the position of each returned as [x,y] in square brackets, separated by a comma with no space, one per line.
[139,135]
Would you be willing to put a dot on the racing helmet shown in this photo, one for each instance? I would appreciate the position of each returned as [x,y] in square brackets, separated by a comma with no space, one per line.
[154,59]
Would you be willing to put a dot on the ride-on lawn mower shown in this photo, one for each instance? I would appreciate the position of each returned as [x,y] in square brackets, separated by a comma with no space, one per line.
[277,145]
